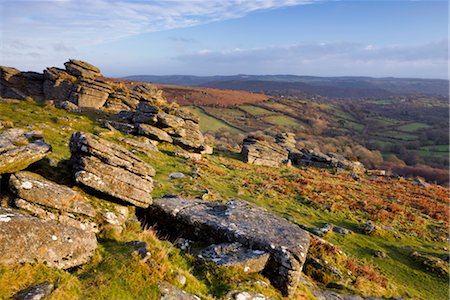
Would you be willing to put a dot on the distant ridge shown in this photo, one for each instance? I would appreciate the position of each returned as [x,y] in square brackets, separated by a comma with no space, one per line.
[339,87]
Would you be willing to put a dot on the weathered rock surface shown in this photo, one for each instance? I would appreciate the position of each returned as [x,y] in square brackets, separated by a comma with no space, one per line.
[238,221]
[170,292]
[142,144]
[90,93]
[50,201]
[307,157]
[19,149]
[19,85]
[80,68]
[154,133]
[26,239]
[235,255]
[263,153]
[36,292]
[242,295]
[111,169]
[286,139]
[58,84]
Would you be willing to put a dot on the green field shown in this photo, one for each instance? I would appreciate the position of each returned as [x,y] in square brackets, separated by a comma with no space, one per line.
[411,127]
[282,120]
[254,110]
[208,123]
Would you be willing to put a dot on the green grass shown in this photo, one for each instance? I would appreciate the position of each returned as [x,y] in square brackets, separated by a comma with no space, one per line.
[436,148]
[209,123]
[279,106]
[289,192]
[254,110]
[411,127]
[282,120]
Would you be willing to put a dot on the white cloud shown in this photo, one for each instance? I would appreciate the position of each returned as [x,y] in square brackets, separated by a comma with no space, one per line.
[51,27]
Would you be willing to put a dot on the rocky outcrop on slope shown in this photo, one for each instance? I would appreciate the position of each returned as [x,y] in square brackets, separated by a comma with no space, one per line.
[111,169]
[287,140]
[307,157]
[20,85]
[50,201]
[19,149]
[26,239]
[238,221]
[90,93]
[81,86]
[80,68]
[264,153]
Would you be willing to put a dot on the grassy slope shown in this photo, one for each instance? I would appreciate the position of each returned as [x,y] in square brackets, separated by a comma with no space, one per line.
[305,196]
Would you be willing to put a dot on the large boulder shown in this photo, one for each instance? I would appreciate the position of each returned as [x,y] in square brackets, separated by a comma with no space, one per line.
[90,93]
[286,139]
[19,149]
[26,239]
[264,153]
[58,84]
[235,255]
[50,201]
[111,169]
[192,139]
[80,68]
[242,222]
[19,85]
[307,157]
[154,133]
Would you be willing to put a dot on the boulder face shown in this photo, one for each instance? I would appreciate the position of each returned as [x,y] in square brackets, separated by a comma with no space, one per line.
[111,169]
[42,198]
[80,68]
[235,255]
[19,149]
[287,140]
[58,84]
[26,239]
[237,221]
[19,85]
[90,93]
[263,153]
[307,157]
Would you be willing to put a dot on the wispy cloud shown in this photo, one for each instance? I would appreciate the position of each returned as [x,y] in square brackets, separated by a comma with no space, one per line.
[343,57]
[49,27]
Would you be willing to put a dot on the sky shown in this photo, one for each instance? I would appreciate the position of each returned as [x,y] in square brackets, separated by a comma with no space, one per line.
[398,38]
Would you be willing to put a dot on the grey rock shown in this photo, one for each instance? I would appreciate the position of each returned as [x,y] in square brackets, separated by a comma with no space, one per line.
[287,140]
[90,93]
[307,157]
[368,227]
[154,133]
[342,230]
[243,295]
[238,221]
[321,231]
[121,126]
[166,120]
[20,85]
[263,153]
[146,118]
[141,249]
[380,254]
[142,144]
[235,255]
[50,201]
[36,292]
[19,150]
[176,175]
[170,292]
[26,239]
[111,169]
[80,68]
[58,84]
[193,139]
[69,106]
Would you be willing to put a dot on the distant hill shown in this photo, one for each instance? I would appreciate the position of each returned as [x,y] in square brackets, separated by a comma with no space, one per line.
[292,85]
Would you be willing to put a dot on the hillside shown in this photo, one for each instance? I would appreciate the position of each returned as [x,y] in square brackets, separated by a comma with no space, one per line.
[293,85]
[135,181]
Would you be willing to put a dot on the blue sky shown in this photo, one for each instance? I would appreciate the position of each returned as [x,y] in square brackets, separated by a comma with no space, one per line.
[223,37]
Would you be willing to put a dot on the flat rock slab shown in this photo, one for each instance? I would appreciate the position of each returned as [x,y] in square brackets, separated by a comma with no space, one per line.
[235,255]
[111,169]
[50,201]
[263,153]
[18,150]
[242,222]
[26,239]
[36,292]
